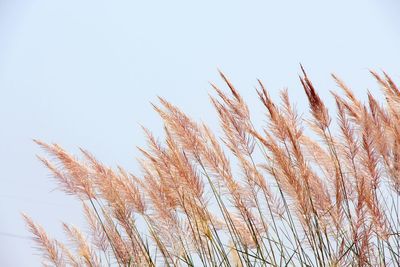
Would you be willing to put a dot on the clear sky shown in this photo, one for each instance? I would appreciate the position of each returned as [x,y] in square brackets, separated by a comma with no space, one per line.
[82,73]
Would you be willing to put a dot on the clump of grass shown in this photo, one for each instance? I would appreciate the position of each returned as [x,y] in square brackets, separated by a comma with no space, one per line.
[326,198]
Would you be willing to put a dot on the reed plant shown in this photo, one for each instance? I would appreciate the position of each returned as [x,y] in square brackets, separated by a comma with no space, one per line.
[315,190]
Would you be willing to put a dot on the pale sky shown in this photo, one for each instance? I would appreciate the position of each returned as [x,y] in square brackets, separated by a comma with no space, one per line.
[82,73]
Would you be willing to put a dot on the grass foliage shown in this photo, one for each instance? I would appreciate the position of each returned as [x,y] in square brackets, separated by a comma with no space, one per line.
[280,196]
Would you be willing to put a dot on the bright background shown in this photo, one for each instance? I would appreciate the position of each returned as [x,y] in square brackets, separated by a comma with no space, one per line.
[82,73]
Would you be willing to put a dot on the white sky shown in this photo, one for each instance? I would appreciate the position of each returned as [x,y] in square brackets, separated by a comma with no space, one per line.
[82,73]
